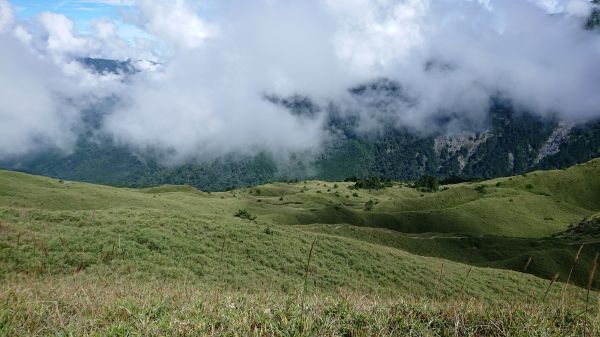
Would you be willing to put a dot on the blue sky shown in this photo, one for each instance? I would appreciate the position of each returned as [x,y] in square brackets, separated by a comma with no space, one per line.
[80,11]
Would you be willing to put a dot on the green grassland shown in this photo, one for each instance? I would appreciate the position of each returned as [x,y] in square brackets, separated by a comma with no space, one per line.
[85,259]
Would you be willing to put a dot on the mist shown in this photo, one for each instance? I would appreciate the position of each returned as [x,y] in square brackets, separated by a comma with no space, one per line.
[32,114]
[220,58]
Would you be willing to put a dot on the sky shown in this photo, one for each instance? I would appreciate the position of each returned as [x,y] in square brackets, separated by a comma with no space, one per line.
[78,10]
[218,59]
[82,13]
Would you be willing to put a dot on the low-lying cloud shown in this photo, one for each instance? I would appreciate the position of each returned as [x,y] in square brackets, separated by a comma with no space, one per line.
[221,58]
[31,113]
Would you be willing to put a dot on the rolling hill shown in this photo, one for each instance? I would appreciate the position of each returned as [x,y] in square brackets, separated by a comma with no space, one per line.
[61,241]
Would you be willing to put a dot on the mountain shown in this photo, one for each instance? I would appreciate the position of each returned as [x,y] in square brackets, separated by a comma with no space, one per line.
[594,20]
[108,66]
[103,66]
[513,142]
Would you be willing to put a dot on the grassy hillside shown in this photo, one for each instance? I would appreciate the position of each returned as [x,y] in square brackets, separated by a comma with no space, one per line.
[419,251]
[533,205]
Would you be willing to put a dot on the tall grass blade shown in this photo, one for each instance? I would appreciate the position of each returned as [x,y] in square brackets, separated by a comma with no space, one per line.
[465,279]
[564,291]
[554,279]
[306,271]
[591,281]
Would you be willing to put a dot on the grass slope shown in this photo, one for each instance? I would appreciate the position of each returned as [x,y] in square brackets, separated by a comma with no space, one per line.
[536,205]
[96,237]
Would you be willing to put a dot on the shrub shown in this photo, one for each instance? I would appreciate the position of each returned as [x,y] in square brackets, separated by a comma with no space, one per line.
[452,180]
[369,205]
[428,183]
[373,183]
[593,20]
[529,186]
[480,188]
[244,214]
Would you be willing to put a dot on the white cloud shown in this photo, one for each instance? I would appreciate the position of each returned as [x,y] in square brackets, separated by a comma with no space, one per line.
[202,108]
[23,35]
[581,8]
[209,100]
[375,35]
[572,7]
[551,6]
[32,115]
[450,57]
[43,89]
[174,21]
[6,15]
[108,42]
[61,38]
[105,29]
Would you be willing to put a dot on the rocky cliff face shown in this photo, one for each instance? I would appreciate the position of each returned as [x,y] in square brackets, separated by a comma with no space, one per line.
[461,146]
[558,137]
[467,148]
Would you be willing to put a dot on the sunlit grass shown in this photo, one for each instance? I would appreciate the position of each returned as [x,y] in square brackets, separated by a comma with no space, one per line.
[85,259]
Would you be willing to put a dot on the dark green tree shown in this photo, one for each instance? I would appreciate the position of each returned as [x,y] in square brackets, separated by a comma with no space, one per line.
[369,205]
[594,20]
[428,183]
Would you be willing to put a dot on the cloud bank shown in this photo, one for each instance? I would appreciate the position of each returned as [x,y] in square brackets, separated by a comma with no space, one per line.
[31,114]
[220,59]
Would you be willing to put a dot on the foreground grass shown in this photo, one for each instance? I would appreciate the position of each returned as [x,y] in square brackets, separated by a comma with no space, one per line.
[79,305]
[242,254]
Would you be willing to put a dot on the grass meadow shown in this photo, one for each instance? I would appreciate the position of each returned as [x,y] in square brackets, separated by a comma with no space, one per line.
[501,257]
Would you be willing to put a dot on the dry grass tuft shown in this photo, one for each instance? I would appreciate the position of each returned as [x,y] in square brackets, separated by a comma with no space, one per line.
[81,305]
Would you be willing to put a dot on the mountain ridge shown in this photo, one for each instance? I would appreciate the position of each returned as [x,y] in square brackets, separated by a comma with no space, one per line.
[513,142]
